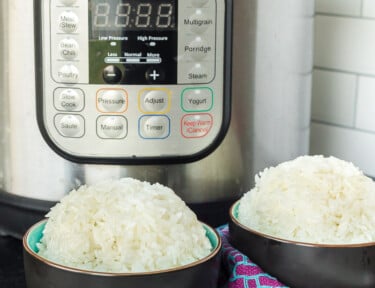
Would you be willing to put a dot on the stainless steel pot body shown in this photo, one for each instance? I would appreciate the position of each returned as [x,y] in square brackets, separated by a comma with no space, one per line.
[272,65]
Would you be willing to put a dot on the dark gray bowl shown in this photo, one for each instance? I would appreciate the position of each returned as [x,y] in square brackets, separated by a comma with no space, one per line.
[304,264]
[42,273]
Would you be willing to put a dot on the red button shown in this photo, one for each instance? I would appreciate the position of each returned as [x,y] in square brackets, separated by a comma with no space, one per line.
[196,125]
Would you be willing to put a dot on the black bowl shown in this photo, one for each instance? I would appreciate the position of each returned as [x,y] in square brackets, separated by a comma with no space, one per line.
[304,264]
[42,273]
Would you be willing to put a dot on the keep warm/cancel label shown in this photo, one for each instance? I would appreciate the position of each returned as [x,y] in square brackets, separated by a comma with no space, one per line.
[196,125]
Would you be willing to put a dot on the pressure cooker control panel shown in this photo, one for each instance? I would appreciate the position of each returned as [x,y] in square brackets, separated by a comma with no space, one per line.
[133,81]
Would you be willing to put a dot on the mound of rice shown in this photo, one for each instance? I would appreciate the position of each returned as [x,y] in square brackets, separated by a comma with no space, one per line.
[123,226]
[312,199]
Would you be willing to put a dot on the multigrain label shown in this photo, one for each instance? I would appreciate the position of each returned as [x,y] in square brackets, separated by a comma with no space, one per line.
[198,22]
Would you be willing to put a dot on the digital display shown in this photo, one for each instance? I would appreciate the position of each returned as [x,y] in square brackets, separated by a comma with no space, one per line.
[133,41]
[113,16]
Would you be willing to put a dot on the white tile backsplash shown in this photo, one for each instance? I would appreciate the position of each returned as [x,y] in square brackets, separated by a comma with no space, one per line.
[365,118]
[343,7]
[345,44]
[344,82]
[347,144]
[333,98]
[368,8]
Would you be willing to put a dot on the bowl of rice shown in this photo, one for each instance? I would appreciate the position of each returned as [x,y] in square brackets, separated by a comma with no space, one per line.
[310,222]
[121,233]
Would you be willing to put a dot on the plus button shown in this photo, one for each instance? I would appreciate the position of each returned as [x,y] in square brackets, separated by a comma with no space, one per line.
[154,75]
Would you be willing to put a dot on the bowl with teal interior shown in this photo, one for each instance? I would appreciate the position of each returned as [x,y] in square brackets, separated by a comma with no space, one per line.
[42,273]
[309,265]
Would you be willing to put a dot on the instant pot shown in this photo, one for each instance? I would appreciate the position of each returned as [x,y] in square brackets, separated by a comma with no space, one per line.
[198,95]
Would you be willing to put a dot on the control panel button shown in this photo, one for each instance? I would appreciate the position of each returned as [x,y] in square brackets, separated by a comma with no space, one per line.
[152,101]
[199,22]
[68,74]
[112,74]
[69,2]
[93,76]
[68,22]
[69,48]
[70,99]
[199,3]
[155,75]
[198,49]
[112,127]
[198,74]
[112,100]
[196,125]
[154,127]
[71,126]
[197,99]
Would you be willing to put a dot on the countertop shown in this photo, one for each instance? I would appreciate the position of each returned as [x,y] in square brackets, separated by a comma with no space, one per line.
[11,263]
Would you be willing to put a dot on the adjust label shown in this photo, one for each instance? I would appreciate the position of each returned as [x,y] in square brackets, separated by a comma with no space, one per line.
[196,125]
[154,100]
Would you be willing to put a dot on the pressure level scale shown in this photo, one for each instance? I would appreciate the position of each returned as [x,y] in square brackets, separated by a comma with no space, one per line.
[136,81]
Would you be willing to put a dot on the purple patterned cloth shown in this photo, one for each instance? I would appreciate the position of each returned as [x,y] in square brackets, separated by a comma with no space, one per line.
[239,270]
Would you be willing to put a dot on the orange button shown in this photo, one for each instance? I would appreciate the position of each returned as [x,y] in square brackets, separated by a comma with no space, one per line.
[112,100]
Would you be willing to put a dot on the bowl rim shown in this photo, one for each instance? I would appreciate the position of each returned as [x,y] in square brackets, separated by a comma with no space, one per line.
[292,242]
[66,268]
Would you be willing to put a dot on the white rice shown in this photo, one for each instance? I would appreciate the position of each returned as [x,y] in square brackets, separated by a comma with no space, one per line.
[312,199]
[123,226]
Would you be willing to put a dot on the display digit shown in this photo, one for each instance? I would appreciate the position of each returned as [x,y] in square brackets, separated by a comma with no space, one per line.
[164,18]
[143,18]
[116,17]
[102,14]
[123,15]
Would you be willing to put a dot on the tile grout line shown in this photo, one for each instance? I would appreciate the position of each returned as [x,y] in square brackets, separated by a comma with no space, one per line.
[344,71]
[333,70]
[326,123]
[329,14]
[361,7]
[356,97]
